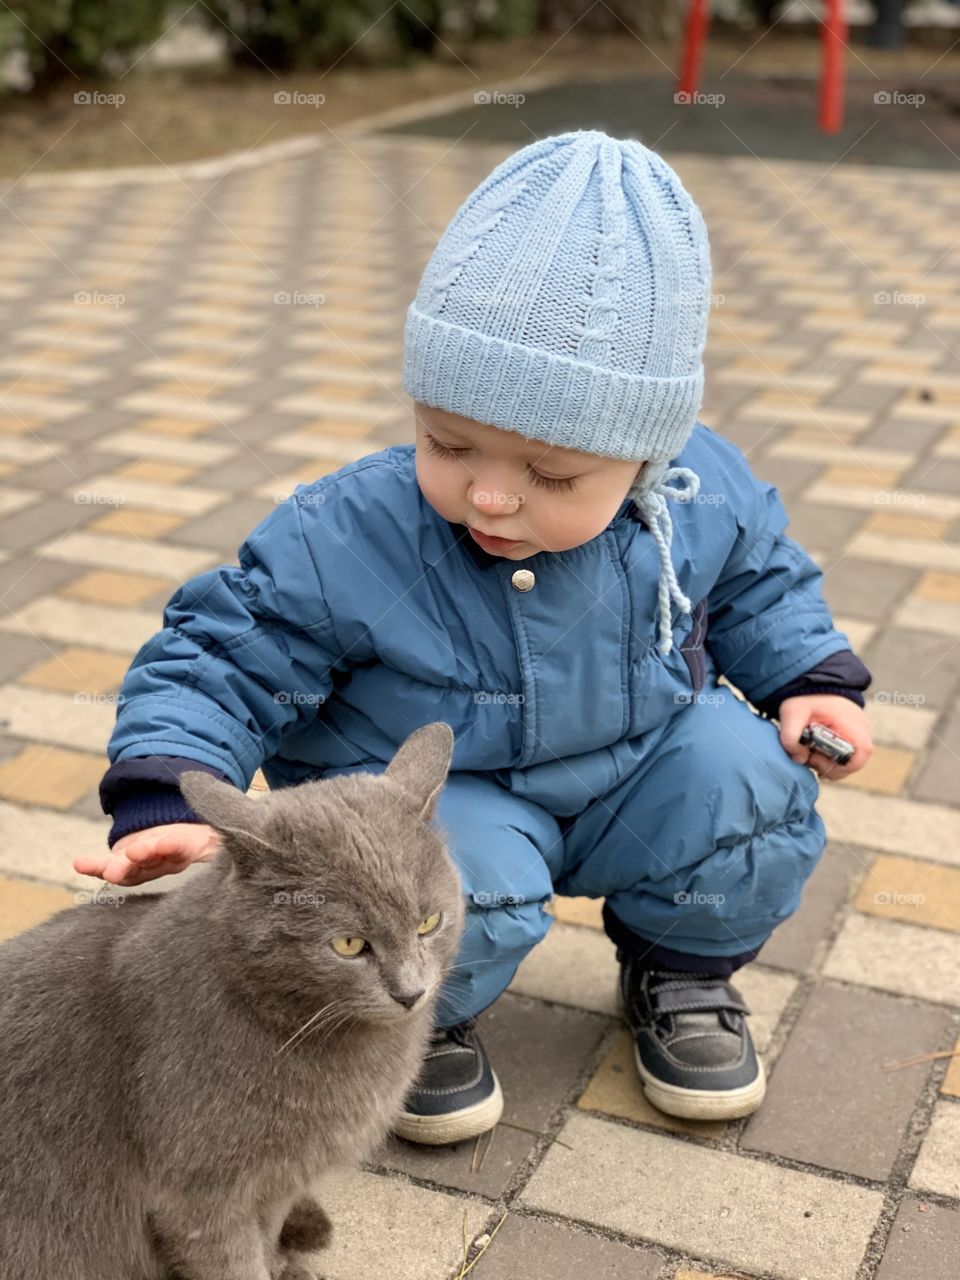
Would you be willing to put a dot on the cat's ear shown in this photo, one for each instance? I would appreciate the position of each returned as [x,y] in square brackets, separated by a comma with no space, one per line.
[227,809]
[421,764]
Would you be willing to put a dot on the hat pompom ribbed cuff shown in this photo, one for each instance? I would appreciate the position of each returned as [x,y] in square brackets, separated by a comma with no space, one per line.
[543,396]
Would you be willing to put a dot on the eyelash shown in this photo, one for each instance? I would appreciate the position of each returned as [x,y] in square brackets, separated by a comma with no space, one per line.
[550,483]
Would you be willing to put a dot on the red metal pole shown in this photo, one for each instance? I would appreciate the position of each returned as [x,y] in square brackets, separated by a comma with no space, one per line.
[833,38]
[698,19]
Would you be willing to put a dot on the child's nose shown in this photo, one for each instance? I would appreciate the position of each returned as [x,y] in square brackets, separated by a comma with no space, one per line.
[493,499]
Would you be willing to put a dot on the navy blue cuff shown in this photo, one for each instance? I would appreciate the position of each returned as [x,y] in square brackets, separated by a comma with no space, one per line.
[841,673]
[145,792]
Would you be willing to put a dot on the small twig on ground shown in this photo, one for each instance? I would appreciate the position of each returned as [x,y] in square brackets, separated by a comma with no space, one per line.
[489,1241]
[921,1057]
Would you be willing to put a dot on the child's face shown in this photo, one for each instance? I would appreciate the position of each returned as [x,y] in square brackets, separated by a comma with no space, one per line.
[540,497]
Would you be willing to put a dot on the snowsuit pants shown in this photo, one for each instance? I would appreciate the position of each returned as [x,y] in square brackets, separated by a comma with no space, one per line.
[700,851]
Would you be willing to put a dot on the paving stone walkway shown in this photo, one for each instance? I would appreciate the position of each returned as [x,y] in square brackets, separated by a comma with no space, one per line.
[179,353]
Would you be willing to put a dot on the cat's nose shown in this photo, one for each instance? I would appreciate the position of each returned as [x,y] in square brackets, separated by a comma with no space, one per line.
[407,998]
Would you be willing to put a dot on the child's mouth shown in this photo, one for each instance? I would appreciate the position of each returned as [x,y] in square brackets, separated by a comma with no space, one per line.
[489,543]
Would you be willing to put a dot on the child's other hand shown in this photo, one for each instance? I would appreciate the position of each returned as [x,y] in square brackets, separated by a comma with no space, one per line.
[839,714]
[151,853]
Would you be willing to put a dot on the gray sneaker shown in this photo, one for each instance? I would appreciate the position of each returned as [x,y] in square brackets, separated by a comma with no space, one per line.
[692,1045]
[457,1094]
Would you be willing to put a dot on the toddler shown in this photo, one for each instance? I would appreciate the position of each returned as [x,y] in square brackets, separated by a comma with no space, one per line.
[561,568]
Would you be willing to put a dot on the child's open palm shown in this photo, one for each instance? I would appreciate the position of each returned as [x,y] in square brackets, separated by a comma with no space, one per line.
[151,853]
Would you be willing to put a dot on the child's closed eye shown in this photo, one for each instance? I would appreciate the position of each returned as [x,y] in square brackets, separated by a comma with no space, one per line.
[551,483]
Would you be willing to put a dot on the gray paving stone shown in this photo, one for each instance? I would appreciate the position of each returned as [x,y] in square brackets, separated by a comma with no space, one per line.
[224,528]
[924,1243]
[853,394]
[864,588]
[938,778]
[736,1212]
[528,1247]
[830,1102]
[537,1052]
[248,471]
[23,578]
[790,475]
[895,434]
[70,467]
[915,662]
[940,475]
[822,527]
[793,944]
[44,520]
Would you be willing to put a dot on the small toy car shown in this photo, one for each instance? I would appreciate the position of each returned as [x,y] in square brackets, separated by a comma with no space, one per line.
[820,738]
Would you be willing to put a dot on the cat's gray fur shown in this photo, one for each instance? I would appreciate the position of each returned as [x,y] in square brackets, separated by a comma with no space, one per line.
[166,1102]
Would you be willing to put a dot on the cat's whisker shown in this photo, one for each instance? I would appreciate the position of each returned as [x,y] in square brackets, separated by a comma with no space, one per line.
[325,1009]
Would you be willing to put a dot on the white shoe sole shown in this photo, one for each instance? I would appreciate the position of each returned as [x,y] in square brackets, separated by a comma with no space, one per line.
[702,1104]
[455,1126]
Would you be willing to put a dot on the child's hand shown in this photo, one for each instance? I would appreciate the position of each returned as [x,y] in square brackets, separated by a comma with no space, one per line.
[839,714]
[156,851]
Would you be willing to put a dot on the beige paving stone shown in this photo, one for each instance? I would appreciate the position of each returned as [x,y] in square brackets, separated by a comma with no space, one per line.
[175,426]
[891,824]
[124,490]
[937,1167]
[24,904]
[820,446]
[157,472]
[107,586]
[890,956]
[615,1089]
[153,445]
[12,500]
[920,553]
[951,1081]
[862,475]
[883,501]
[920,614]
[920,893]
[859,631]
[53,618]
[582,911]
[685,1274]
[571,966]
[900,725]
[176,401]
[133,522]
[83,720]
[103,550]
[49,775]
[942,587]
[745,1213]
[339,450]
[385,1227]
[78,670]
[906,526]
[886,771]
[787,414]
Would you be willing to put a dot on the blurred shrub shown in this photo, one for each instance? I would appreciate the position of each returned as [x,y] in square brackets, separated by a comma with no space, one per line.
[64,39]
[297,35]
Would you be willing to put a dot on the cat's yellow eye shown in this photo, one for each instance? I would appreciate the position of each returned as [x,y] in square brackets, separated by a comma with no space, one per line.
[429,924]
[348,946]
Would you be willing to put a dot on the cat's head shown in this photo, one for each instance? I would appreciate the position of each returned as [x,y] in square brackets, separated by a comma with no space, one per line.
[341,885]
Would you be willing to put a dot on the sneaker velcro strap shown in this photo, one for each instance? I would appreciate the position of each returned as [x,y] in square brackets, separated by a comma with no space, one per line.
[686,999]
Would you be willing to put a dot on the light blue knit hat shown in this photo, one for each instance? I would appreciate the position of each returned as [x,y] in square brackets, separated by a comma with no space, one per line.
[567,300]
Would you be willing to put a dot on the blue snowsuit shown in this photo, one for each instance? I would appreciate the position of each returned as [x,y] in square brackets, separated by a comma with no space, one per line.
[585,762]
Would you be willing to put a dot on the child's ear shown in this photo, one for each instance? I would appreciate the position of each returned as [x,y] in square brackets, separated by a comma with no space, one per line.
[237,818]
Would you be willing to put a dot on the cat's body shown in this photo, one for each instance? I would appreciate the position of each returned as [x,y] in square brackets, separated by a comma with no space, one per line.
[170,1096]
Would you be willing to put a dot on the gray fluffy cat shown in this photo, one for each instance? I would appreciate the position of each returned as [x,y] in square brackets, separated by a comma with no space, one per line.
[178,1069]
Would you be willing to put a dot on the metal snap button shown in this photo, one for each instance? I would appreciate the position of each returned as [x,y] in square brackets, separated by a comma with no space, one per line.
[523,580]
